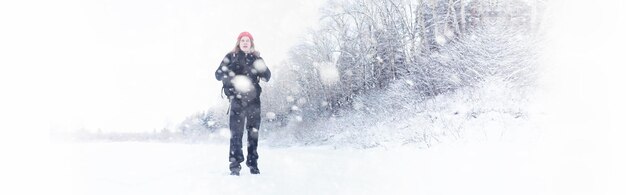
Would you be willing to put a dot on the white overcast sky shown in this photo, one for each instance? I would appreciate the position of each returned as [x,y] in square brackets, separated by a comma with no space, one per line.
[136,65]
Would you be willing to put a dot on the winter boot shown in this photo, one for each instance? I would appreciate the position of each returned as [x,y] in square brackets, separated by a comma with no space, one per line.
[252,164]
[235,168]
[254,170]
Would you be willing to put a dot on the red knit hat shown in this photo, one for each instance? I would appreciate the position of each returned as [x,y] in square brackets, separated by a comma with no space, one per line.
[245,34]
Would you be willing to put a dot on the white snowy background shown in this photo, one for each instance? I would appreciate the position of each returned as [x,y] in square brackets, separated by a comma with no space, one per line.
[132,66]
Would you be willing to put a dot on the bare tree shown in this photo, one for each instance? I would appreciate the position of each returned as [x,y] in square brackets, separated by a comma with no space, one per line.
[441,45]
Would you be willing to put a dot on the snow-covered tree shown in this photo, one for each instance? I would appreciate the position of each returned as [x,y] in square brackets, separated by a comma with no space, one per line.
[433,42]
[199,124]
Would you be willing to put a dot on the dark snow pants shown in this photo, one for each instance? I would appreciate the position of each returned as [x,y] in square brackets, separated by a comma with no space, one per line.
[244,114]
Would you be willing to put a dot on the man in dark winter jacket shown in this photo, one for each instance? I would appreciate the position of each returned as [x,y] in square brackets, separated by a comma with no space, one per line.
[240,73]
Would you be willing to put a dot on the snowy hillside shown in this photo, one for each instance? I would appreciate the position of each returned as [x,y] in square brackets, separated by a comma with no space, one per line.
[394,118]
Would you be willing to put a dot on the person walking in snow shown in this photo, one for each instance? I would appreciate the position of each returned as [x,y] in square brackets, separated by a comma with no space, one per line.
[240,73]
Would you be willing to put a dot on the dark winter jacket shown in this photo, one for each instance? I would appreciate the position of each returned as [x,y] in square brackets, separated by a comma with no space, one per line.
[242,64]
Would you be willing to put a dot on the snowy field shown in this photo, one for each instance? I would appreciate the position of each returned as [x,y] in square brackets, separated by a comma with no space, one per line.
[161,168]
[551,164]
[579,150]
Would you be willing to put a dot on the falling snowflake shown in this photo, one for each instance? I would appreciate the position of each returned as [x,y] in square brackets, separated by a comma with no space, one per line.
[328,73]
[259,65]
[270,115]
[441,40]
[242,84]
[301,101]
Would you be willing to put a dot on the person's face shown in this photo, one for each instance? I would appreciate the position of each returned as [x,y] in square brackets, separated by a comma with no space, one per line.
[244,44]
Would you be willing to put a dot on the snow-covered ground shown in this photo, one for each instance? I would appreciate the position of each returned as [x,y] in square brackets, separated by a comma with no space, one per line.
[161,168]
[550,164]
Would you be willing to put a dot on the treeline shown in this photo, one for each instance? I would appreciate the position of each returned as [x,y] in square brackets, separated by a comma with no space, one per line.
[435,45]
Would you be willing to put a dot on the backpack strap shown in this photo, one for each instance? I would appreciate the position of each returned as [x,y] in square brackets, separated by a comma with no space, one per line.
[228,111]
[222,92]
